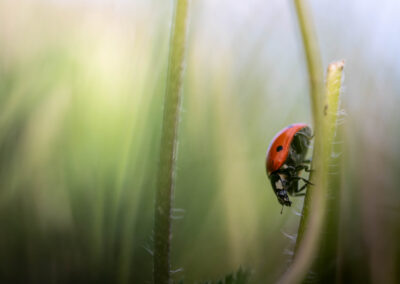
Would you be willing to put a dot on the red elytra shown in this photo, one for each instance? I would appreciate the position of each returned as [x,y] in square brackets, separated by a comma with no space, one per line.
[275,159]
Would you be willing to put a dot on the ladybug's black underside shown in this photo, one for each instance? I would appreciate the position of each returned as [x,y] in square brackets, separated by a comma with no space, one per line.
[285,180]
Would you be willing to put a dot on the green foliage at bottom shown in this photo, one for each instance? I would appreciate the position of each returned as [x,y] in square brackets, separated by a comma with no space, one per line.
[241,276]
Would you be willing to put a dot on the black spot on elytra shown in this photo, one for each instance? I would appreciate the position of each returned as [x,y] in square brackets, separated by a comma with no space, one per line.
[279,148]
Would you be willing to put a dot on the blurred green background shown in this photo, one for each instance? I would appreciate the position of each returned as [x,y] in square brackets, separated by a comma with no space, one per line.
[81,92]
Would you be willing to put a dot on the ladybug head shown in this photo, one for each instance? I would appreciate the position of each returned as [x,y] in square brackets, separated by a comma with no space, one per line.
[283,198]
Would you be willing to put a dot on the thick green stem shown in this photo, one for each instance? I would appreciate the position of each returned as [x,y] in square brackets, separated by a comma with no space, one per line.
[322,268]
[324,118]
[165,176]
[316,200]
[331,106]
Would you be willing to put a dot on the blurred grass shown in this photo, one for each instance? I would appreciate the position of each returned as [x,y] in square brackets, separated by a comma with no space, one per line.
[81,88]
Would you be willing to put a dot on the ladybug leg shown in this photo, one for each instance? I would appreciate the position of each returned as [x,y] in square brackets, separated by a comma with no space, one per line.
[300,189]
[303,179]
[304,167]
[289,169]
[301,167]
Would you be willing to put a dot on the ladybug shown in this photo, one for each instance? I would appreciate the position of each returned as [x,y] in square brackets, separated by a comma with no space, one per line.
[285,160]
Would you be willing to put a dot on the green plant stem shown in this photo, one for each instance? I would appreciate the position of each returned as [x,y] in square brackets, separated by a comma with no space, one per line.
[322,269]
[166,166]
[314,206]
[313,58]
[317,89]
[316,199]
[331,106]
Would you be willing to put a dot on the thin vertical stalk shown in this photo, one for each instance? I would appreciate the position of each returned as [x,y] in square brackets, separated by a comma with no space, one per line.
[314,207]
[313,58]
[168,147]
[317,89]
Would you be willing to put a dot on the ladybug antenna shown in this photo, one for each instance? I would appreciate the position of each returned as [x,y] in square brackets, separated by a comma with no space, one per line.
[282,209]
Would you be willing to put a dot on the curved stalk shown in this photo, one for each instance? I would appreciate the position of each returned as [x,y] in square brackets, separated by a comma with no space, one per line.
[166,166]
[316,200]
[317,89]
[324,112]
